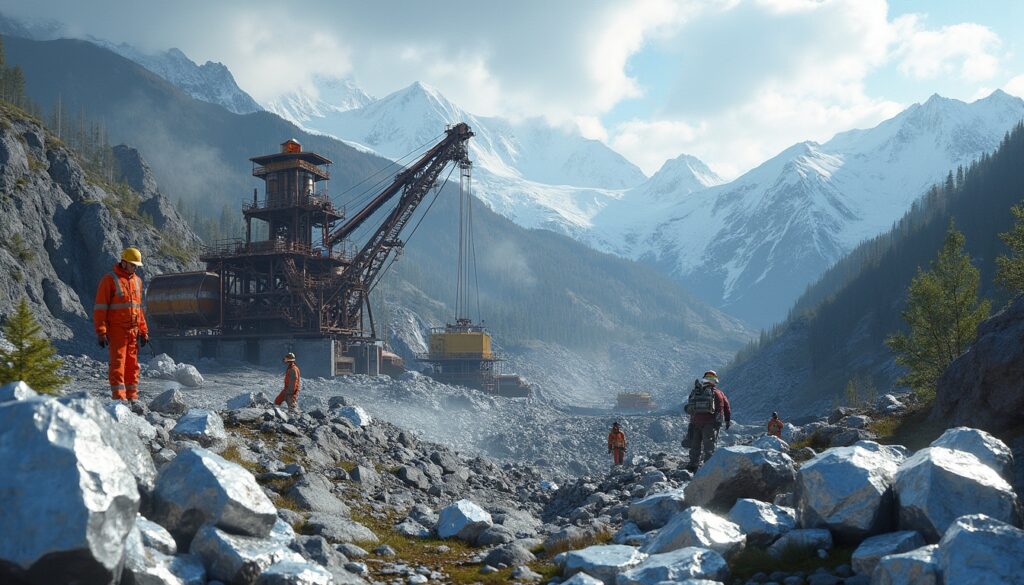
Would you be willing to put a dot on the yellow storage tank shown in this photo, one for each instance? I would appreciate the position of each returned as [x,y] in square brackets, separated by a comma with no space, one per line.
[468,344]
[183,300]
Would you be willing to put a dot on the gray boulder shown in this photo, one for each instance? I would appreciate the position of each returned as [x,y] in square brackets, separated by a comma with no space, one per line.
[162,366]
[847,490]
[295,573]
[144,565]
[120,438]
[413,477]
[917,567]
[581,579]
[238,559]
[463,520]
[202,426]
[248,400]
[980,550]
[763,523]
[698,527]
[677,566]
[338,529]
[188,375]
[424,516]
[155,536]
[171,402]
[938,485]
[124,416]
[654,511]
[604,562]
[867,555]
[355,414]
[62,476]
[412,529]
[740,472]
[313,492]
[16,391]
[496,534]
[802,539]
[511,555]
[199,487]
[988,449]
[366,477]
[770,443]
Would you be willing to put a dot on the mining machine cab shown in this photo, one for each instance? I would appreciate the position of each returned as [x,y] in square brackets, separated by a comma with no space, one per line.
[460,354]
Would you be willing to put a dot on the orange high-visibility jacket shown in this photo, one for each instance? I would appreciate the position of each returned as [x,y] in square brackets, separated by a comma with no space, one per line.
[119,303]
[616,440]
[292,380]
[775,427]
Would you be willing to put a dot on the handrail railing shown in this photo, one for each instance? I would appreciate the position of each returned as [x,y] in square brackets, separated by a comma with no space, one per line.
[319,200]
[239,246]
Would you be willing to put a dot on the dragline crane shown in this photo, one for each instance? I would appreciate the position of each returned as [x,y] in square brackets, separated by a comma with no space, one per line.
[296,288]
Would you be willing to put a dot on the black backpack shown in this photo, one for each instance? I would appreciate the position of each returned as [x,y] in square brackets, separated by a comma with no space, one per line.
[701,399]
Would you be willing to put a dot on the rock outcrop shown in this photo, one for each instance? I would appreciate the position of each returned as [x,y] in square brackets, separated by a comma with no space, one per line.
[984,387]
[61,231]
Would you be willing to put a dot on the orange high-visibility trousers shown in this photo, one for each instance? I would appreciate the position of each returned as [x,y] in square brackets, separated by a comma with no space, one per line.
[124,363]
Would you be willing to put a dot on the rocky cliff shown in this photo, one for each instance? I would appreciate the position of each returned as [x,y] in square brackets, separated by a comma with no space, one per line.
[984,387]
[62,228]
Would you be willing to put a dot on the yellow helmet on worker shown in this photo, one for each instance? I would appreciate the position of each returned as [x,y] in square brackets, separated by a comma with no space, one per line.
[132,256]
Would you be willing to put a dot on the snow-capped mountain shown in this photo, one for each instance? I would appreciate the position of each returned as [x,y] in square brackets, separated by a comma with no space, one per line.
[328,96]
[535,174]
[210,82]
[752,246]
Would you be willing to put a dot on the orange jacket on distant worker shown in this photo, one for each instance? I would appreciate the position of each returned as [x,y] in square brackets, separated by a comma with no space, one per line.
[775,427]
[616,440]
[292,383]
[119,303]
[118,318]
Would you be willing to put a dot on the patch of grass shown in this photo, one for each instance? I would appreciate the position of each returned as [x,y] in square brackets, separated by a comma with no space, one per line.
[455,563]
[751,561]
[172,249]
[288,503]
[233,454]
[348,466]
[34,164]
[816,441]
[912,429]
[603,537]
[281,485]
[21,249]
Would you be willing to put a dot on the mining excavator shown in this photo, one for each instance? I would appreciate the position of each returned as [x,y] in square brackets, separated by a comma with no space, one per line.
[299,281]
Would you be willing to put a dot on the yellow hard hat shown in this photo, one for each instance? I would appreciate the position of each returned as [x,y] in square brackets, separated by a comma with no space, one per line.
[132,256]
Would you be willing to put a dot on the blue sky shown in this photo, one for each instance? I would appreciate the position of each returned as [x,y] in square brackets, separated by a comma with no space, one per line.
[732,82]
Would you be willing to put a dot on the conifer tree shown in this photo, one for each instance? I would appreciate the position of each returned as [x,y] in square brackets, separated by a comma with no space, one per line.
[31,358]
[943,313]
[1010,269]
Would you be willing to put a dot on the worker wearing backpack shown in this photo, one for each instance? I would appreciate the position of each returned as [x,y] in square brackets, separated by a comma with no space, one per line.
[709,409]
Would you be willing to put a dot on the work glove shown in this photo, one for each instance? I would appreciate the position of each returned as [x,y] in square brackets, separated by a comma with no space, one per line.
[102,339]
[143,340]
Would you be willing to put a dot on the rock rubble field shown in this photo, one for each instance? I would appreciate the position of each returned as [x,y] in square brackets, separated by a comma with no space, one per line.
[232,490]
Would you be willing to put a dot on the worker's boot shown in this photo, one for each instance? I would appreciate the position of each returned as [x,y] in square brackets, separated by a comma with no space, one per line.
[135,406]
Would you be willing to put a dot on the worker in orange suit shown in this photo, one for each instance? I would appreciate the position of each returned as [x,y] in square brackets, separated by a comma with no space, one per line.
[292,382]
[775,425]
[617,444]
[121,325]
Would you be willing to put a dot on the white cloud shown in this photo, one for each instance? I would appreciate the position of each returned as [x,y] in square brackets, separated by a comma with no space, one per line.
[646,142]
[1015,86]
[798,74]
[967,50]
[744,78]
